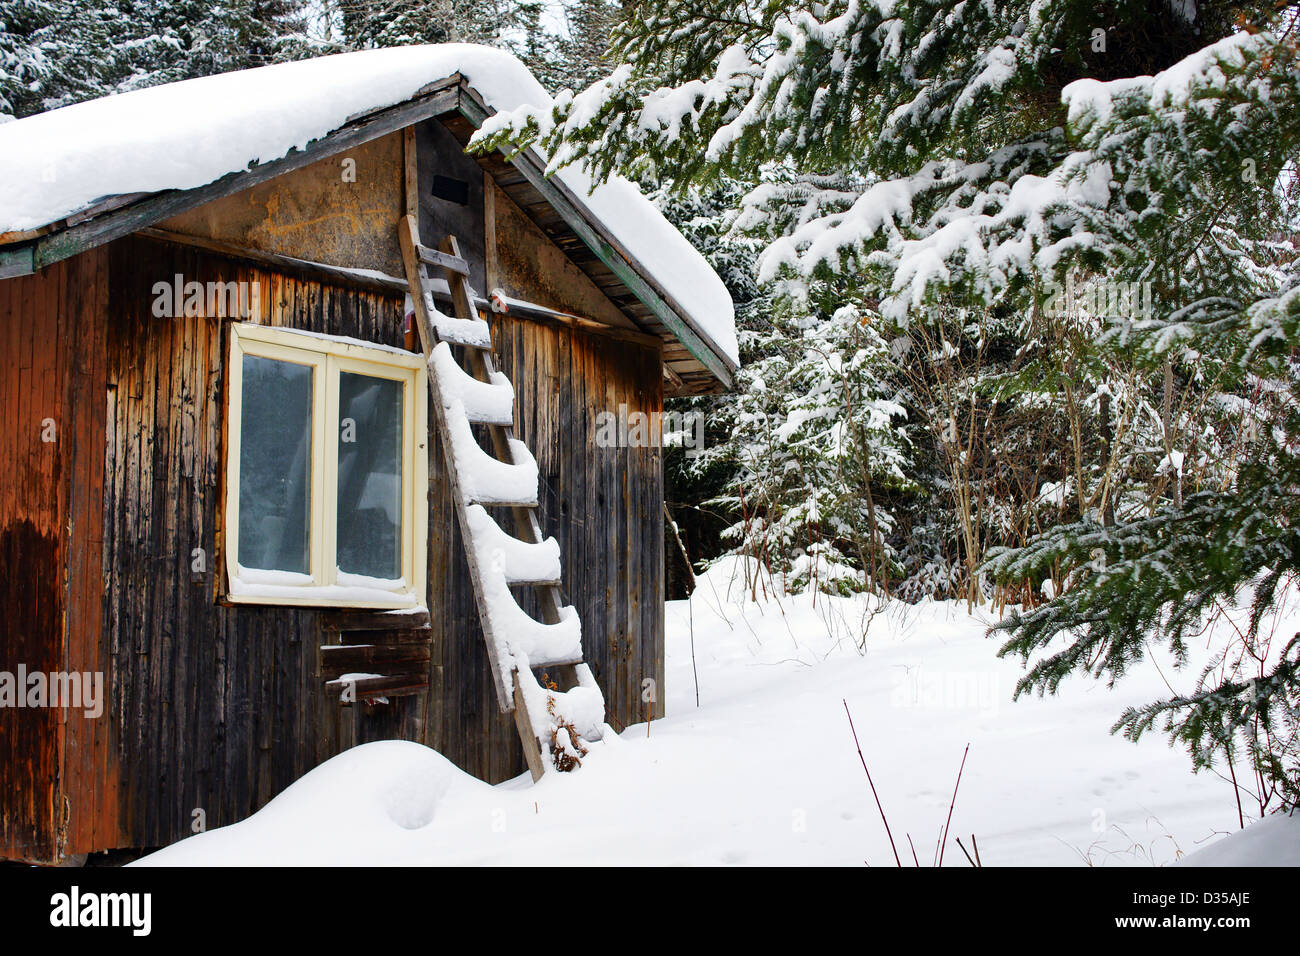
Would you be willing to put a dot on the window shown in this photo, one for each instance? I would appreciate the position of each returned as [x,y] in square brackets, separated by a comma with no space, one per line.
[326,471]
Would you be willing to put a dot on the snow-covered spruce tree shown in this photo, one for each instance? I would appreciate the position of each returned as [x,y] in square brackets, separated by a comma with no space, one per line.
[385,23]
[1009,149]
[721,89]
[57,52]
[1199,167]
[820,457]
[694,478]
[804,459]
[24,24]
[563,43]
[582,46]
[52,52]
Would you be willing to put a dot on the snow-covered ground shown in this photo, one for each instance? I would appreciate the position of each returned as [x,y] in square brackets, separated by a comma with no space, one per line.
[764,770]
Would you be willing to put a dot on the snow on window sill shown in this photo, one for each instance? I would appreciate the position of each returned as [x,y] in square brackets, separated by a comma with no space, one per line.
[257,586]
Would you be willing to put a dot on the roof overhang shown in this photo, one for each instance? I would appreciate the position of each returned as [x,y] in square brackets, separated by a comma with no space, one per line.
[689,354]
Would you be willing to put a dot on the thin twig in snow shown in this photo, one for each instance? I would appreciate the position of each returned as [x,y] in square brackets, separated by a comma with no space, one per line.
[954,803]
[690,613]
[871,784]
[964,853]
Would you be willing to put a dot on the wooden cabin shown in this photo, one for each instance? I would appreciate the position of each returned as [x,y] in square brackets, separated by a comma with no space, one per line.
[156,258]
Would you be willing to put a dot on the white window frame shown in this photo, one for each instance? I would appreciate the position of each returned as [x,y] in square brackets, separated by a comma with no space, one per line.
[328,356]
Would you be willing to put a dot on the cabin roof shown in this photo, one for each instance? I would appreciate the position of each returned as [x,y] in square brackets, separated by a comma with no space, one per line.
[85,174]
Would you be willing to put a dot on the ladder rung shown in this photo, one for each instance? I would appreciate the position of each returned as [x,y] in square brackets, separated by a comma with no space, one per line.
[488,417]
[565,661]
[486,503]
[472,333]
[463,336]
[518,562]
[485,403]
[550,583]
[482,477]
[434,257]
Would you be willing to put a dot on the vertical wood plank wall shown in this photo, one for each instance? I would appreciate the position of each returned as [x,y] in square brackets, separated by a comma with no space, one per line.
[51,387]
[219,708]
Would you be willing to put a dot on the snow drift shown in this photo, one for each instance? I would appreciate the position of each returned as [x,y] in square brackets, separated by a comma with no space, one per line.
[362,802]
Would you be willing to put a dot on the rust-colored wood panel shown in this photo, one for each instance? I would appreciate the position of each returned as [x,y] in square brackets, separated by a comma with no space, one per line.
[29,561]
[50,474]
[88,768]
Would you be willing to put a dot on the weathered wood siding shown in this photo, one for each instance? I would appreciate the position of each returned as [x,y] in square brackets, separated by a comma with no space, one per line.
[51,387]
[339,210]
[221,707]
[528,265]
[603,504]
[440,156]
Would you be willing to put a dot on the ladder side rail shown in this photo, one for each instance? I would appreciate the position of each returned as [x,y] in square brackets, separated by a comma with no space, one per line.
[527,525]
[424,327]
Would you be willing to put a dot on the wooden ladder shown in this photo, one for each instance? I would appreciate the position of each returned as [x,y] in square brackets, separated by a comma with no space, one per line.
[556,714]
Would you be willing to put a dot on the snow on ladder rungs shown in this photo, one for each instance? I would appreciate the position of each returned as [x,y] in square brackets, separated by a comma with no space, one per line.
[484,479]
[522,640]
[485,403]
[472,332]
[519,562]
[582,706]
[552,724]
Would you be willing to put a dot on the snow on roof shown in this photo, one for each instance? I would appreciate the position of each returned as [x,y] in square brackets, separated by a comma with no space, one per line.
[185,135]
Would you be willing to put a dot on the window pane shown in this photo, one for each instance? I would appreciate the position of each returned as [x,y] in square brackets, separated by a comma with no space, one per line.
[275,466]
[370,476]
